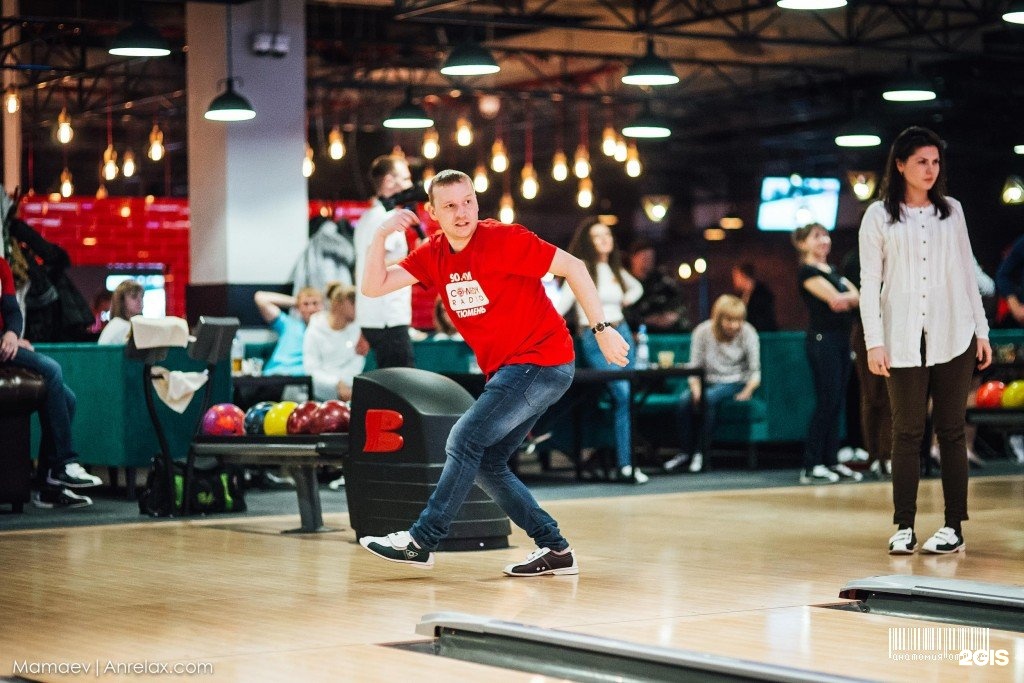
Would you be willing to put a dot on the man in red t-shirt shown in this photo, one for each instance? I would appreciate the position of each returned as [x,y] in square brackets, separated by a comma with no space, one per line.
[489,277]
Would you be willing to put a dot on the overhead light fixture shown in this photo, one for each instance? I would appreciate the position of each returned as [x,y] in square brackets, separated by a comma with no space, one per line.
[499,157]
[858,134]
[506,210]
[12,101]
[64,130]
[463,132]
[647,125]
[308,165]
[656,206]
[714,234]
[480,181]
[469,59]
[811,5]
[156,143]
[66,186]
[700,266]
[229,105]
[139,40]
[1015,12]
[910,88]
[559,166]
[585,195]
[1013,190]
[1018,149]
[408,115]
[650,70]
[530,184]
[128,167]
[633,166]
[335,143]
[431,143]
[685,271]
[730,221]
[863,184]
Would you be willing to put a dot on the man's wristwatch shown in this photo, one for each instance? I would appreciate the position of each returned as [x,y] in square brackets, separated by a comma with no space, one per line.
[601,327]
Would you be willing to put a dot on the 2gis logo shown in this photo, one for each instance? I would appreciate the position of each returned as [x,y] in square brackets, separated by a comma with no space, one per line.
[983,658]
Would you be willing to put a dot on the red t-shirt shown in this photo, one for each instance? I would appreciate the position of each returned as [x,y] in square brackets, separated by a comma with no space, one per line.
[494,296]
[6,286]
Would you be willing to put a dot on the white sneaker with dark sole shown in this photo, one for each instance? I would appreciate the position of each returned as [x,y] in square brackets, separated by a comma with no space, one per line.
[944,542]
[398,547]
[903,542]
[62,498]
[545,562]
[72,475]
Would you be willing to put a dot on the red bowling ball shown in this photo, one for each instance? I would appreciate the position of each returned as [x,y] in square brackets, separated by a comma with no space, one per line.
[990,395]
[224,419]
[301,419]
[333,416]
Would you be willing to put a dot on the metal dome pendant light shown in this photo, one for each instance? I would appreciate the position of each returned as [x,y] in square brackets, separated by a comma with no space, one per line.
[229,105]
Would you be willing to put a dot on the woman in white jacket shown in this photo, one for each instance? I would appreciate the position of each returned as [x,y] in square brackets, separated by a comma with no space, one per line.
[924,326]
[331,350]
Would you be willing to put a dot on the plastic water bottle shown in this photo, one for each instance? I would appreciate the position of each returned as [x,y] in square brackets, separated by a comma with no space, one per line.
[237,354]
[643,352]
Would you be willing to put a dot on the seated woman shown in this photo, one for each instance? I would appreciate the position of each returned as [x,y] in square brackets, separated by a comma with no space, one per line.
[331,350]
[125,302]
[729,351]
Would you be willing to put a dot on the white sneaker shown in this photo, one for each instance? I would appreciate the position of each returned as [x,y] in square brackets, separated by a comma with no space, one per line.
[844,471]
[1017,446]
[903,542]
[944,541]
[398,547]
[634,473]
[675,462]
[338,483]
[72,476]
[844,454]
[818,475]
[697,464]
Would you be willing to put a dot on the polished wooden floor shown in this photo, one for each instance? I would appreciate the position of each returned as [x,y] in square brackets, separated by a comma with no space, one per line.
[737,573]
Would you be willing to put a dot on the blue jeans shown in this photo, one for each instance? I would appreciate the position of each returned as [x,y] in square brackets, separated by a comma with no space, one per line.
[55,418]
[714,394]
[829,356]
[480,446]
[619,391]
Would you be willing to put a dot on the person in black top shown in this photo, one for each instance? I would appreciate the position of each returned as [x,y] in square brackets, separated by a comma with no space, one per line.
[756,296]
[661,305]
[831,302]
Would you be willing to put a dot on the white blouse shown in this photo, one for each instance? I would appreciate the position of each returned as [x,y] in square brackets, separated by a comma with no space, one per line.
[917,277]
[115,332]
[613,298]
[329,355]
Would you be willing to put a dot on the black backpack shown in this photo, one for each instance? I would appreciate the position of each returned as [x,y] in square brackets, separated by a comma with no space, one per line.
[215,488]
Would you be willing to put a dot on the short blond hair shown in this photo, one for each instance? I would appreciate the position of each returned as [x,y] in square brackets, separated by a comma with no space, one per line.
[726,306]
[338,291]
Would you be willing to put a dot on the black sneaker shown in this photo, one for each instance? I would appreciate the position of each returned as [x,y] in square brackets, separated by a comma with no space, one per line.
[903,542]
[946,540]
[59,498]
[73,476]
[398,547]
[543,561]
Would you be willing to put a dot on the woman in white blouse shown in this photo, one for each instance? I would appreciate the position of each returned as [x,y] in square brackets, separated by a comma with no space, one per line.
[594,244]
[124,303]
[332,351]
[924,326]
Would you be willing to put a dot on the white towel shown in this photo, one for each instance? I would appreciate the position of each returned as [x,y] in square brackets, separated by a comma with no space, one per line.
[175,388]
[148,333]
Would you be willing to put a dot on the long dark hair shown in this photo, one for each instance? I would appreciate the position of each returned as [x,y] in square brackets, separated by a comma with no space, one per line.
[894,187]
[582,247]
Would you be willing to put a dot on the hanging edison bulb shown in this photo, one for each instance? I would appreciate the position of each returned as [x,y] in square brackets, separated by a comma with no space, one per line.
[559,166]
[633,165]
[428,173]
[128,167]
[585,196]
[530,184]
[335,144]
[307,162]
[156,144]
[66,187]
[480,182]
[12,101]
[431,143]
[64,130]
[608,141]
[109,169]
[463,132]
[499,158]
[581,162]
[620,149]
[506,209]
[101,192]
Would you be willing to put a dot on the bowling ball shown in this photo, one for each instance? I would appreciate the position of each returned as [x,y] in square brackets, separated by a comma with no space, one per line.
[989,395]
[301,418]
[333,416]
[276,421]
[224,419]
[254,417]
[1013,395]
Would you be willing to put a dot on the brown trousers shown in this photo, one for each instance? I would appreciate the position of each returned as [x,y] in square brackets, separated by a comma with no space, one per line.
[875,415]
[909,389]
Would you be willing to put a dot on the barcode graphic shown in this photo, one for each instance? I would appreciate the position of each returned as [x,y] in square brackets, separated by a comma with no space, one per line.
[937,639]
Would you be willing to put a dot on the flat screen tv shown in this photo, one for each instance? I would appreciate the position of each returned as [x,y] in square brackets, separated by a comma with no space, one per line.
[790,202]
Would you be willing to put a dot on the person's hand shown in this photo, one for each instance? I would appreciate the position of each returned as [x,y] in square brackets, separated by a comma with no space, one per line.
[399,220]
[362,346]
[878,360]
[8,346]
[26,344]
[613,347]
[984,354]
[840,304]
[694,396]
[743,396]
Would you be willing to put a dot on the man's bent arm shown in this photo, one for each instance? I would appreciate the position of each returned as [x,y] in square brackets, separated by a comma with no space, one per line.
[378,277]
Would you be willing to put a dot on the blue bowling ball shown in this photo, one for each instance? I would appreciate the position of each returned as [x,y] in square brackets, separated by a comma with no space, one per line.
[254,417]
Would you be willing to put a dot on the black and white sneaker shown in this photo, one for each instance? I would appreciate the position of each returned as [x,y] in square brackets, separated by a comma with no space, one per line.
[544,562]
[846,473]
[946,540]
[819,474]
[59,498]
[398,547]
[903,542]
[73,476]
